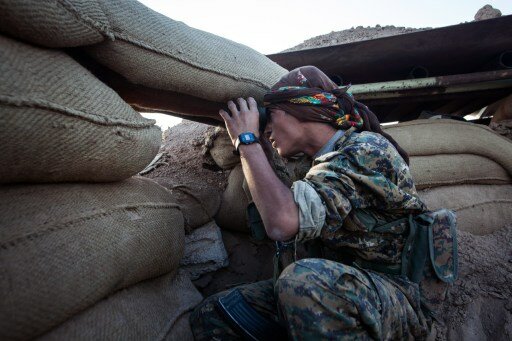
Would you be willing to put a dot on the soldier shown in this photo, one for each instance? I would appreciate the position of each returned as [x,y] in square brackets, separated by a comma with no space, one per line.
[358,201]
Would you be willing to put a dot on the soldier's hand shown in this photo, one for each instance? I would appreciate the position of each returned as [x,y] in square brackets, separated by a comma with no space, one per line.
[244,118]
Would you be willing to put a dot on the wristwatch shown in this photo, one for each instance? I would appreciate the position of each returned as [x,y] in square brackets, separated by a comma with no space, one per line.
[245,138]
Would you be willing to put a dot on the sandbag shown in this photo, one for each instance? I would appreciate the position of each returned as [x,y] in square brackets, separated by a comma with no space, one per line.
[204,251]
[432,137]
[232,214]
[59,123]
[198,203]
[63,247]
[480,209]
[222,150]
[55,23]
[453,169]
[157,52]
[157,309]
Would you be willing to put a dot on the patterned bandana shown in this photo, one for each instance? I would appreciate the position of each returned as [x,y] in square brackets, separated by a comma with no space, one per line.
[334,106]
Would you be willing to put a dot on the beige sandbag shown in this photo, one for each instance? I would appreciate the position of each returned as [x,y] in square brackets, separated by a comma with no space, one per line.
[199,204]
[222,150]
[432,137]
[153,50]
[59,123]
[55,23]
[232,214]
[481,209]
[63,247]
[453,169]
[157,309]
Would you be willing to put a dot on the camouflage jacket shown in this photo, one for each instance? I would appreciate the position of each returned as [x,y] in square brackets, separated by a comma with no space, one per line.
[363,180]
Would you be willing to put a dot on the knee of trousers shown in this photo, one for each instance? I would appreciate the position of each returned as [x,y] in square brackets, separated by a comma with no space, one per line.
[306,280]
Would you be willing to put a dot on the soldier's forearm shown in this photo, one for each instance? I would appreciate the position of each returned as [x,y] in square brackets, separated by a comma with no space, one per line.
[272,198]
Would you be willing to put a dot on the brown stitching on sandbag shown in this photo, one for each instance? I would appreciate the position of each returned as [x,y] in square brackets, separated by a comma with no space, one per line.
[499,201]
[443,121]
[146,46]
[85,217]
[93,118]
[464,181]
[103,29]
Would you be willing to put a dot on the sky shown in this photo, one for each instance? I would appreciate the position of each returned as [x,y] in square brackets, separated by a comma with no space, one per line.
[271,26]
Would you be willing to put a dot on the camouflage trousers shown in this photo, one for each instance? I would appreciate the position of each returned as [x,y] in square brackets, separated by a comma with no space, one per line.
[322,299]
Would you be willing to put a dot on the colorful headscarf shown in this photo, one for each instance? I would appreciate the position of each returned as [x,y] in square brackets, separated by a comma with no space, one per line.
[309,95]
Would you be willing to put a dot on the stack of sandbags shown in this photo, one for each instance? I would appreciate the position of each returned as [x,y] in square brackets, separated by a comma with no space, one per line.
[60,123]
[461,166]
[67,245]
[152,61]
[153,51]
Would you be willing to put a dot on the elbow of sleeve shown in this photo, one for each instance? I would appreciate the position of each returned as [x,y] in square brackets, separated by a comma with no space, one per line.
[283,229]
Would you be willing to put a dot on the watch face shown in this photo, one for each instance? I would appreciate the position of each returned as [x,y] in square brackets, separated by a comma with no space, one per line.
[247,138]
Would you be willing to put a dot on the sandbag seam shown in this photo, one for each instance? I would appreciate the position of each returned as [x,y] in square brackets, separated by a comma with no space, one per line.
[104,29]
[90,117]
[498,201]
[84,217]
[136,42]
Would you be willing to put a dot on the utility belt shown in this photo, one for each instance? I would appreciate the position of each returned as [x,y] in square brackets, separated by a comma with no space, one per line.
[429,257]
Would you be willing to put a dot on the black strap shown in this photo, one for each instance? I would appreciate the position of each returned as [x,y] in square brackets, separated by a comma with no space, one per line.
[245,320]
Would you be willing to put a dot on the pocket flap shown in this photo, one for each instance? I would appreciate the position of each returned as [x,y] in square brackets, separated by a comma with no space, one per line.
[443,245]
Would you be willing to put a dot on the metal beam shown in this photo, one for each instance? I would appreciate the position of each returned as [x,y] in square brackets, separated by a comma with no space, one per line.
[477,81]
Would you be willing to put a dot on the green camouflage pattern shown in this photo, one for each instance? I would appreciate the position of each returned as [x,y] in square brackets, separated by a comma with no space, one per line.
[320,299]
[443,245]
[364,178]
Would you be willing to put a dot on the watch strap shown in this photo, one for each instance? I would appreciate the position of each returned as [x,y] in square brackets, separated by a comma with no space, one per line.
[238,142]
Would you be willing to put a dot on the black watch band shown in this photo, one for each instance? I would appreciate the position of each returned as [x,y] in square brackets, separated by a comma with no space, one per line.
[245,138]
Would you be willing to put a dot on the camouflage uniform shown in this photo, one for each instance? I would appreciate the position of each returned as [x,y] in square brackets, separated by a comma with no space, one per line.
[364,182]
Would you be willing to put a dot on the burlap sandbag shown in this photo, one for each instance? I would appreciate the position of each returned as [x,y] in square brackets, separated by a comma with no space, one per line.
[153,50]
[232,214]
[198,203]
[481,209]
[222,150]
[55,23]
[63,247]
[432,137]
[452,169]
[59,123]
[157,309]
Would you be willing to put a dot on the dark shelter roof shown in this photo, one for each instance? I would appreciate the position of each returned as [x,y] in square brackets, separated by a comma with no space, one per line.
[451,70]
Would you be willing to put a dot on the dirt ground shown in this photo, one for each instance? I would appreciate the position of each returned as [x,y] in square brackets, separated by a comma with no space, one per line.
[183,160]
[479,305]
